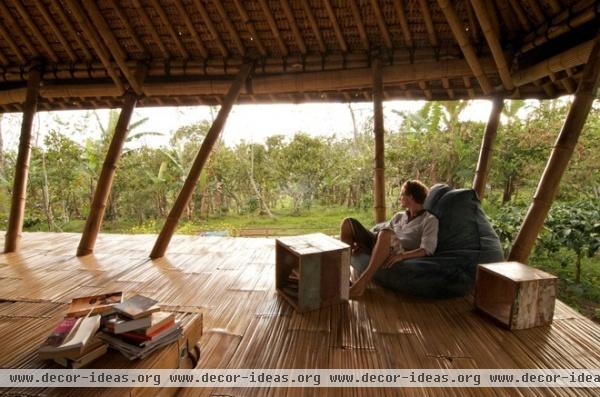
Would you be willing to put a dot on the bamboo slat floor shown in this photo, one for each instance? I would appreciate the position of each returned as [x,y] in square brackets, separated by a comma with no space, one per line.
[246,325]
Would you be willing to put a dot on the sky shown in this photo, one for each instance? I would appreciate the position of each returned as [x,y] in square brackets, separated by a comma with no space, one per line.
[251,123]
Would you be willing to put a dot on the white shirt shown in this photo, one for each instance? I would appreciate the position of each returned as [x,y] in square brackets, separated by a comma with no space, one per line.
[420,232]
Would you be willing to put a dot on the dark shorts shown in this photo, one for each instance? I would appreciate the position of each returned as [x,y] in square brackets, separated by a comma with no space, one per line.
[363,237]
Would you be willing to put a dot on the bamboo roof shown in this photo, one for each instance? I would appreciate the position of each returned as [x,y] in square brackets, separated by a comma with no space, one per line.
[231,281]
[186,52]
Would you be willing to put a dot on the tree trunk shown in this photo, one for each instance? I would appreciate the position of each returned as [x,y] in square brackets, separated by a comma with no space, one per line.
[46,195]
[578,269]
[1,149]
[263,204]
[508,190]
[354,126]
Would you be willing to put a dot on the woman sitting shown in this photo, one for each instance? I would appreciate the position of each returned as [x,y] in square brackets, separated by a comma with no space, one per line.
[409,234]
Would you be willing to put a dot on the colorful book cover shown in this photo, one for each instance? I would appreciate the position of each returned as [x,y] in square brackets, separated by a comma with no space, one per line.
[95,304]
[137,306]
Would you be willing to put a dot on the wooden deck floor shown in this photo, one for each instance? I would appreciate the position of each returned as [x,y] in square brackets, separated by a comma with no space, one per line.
[246,325]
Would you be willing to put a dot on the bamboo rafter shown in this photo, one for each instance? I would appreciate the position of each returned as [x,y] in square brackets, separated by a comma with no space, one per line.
[147,23]
[465,45]
[3,59]
[230,28]
[55,30]
[293,25]
[211,27]
[71,29]
[473,27]
[359,24]
[381,23]
[96,42]
[399,8]
[494,43]
[112,44]
[518,10]
[130,30]
[314,26]
[16,29]
[250,27]
[336,26]
[273,25]
[446,85]
[36,32]
[428,23]
[165,20]
[13,46]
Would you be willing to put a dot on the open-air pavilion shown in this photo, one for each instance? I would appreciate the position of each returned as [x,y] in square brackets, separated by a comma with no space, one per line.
[72,54]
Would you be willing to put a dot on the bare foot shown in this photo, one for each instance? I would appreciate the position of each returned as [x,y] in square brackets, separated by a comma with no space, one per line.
[356,290]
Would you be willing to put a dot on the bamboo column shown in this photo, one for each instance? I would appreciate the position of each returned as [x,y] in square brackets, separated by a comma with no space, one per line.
[487,144]
[379,182]
[160,246]
[107,175]
[559,158]
[19,193]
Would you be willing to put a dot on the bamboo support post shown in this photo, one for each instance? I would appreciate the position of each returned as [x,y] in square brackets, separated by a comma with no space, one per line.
[487,144]
[379,177]
[559,158]
[19,192]
[492,39]
[105,181]
[187,190]
[465,45]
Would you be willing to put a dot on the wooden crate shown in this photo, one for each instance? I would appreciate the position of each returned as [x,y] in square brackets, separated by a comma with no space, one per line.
[517,295]
[312,270]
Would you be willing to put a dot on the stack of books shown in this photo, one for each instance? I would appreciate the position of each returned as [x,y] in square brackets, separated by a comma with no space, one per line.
[73,343]
[138,327]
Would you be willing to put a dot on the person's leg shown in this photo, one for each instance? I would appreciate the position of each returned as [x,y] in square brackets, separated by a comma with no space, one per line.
[380,253]
[353,233]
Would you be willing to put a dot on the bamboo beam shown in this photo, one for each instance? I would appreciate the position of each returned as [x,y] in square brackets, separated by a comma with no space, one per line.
[314,26]
[521,17]
[50,21]
[472,22]
[508,18]
[3,59]
[17,31]
[560,25]
[97,44]
[147,22]
[379,172]
[446,85]
[362,33]
[250,27]
[536,11]
[71,29]
[491,9]
[572,57]
[36,32]
[334,80]
[426,13]
[493,43]
[487,145]
[426,91]
[293,25]
[19,192]
[211,27]
[465,45]
[230,28]
[187,190]
[467,83]
[112,44]
[130,30]
[13,46]
[336,26]
[169,26]
[105,181]
[403,23]
[559,158]
[273,25]
[381,23]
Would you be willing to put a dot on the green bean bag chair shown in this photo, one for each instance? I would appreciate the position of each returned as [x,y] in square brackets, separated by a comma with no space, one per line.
[465,239]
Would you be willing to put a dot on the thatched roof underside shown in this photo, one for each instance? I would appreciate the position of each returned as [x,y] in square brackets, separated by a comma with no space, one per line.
[303,50]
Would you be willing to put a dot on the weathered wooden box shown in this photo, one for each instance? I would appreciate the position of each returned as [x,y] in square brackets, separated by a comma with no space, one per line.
[517,295]
[312,270]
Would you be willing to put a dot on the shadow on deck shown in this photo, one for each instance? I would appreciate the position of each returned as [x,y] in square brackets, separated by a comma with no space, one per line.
[246,325]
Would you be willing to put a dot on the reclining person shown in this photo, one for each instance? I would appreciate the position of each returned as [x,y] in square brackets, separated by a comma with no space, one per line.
[409,234]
